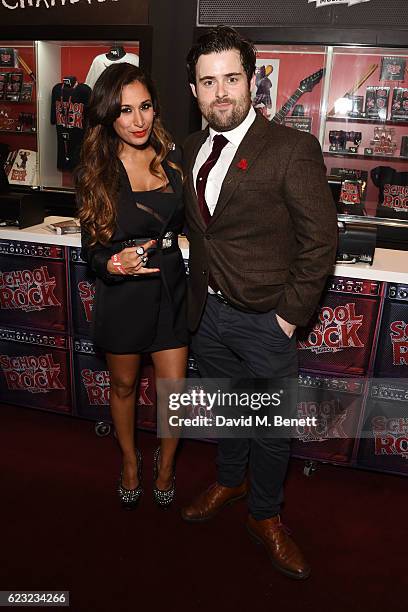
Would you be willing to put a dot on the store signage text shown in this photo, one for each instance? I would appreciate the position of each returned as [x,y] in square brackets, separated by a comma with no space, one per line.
[320,3]
[28,290]
[36,374]
[337,329]
[391,436]
[23,4]
[396,197]
[330,418]
[87,295]
[97,385]
[399,340]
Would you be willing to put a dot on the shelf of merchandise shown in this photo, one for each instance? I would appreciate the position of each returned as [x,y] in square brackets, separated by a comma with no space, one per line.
[18,132]
[366,120]
[374,157]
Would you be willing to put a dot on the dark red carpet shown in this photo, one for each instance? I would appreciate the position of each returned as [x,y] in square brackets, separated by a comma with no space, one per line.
[62,528]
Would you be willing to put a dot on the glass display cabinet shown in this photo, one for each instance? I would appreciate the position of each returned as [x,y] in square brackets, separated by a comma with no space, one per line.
[18,111]
[355,101]
[45,88]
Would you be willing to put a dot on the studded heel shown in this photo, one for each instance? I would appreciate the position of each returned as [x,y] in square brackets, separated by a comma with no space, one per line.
[129,497]
[162,498]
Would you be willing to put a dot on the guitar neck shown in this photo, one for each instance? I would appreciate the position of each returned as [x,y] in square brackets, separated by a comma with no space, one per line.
[280,115]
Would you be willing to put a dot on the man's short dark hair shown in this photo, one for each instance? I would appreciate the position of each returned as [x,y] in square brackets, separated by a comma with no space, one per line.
[216,40]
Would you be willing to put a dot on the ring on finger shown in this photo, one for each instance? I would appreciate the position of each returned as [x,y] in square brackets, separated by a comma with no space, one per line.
[144,259]
[140,250]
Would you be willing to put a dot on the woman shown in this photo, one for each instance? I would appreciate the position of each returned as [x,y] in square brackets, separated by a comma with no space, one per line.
[129,189]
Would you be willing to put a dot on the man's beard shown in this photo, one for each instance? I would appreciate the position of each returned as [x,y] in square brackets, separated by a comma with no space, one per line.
[223,122]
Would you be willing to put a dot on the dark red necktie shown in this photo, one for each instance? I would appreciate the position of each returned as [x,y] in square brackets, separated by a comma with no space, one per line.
[219,143]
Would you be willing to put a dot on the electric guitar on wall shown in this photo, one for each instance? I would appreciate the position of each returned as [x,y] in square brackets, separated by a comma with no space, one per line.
[307,84]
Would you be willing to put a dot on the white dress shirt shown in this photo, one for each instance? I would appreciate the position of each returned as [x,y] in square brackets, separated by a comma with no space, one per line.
[220,169]
[218,172]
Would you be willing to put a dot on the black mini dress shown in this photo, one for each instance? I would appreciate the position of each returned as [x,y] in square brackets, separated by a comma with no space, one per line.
[141,314]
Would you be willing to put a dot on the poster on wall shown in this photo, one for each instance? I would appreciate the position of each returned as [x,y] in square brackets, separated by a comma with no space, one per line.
[24,168]
[265,91]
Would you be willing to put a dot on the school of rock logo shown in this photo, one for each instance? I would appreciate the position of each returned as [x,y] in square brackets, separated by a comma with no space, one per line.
[20,173]
[336,330]
[399,341]
[330,417]
[390,436]
[396,197]
[30,373]
[350,192]
[27,290]
[96,383]
[69,114]
[320,3]
[87,294]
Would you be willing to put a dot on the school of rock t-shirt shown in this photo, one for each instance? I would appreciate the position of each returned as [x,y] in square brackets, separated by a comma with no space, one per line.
[68,113]
[393,195]
[101,62]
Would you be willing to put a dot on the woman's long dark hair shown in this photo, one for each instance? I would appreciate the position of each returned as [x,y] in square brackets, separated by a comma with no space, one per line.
[97,176]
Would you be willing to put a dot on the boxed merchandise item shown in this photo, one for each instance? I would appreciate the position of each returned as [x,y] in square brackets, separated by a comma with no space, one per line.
[357,106]
[8,57]
[353,189]
[26,93]
[376,103]
[69,226]
[399,106]
[3,84]
[392,69]
[404,146]
[13,87]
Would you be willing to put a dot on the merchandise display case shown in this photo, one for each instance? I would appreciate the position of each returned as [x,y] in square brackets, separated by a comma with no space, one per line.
[67,71]
[355,101]
[365,137]
[18,111]
[45,88]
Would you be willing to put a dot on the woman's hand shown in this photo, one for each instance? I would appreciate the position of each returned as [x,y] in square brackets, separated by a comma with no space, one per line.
[132,260]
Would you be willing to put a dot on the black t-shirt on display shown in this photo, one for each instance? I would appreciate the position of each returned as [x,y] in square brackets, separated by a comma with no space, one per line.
[68,112]
[393,196]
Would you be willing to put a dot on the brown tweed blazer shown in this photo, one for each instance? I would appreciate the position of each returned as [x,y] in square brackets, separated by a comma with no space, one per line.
[272,239]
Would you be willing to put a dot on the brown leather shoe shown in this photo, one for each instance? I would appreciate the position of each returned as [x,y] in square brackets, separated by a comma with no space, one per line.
[282,550]
[210,502]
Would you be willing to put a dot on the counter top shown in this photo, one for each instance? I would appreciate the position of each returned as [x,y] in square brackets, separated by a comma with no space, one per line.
[40,233]
[389,265]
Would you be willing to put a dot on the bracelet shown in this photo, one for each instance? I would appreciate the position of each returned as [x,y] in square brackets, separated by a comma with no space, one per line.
[117,263]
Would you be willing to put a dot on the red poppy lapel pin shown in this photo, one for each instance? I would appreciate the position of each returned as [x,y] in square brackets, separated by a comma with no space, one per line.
[242,164]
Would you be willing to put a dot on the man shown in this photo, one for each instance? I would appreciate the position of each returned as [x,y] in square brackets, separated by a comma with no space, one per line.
[262,230]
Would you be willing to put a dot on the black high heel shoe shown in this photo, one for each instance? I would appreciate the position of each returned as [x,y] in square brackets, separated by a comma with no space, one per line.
[162,498]
[129,498]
